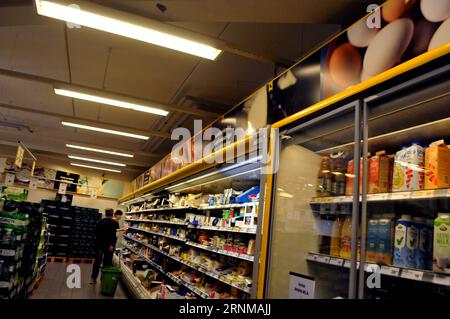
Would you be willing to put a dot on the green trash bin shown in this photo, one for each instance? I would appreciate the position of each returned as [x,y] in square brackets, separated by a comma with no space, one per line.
[110,279]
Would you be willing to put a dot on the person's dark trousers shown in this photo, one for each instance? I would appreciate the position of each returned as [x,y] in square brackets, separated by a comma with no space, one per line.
[97,263]
[101,257]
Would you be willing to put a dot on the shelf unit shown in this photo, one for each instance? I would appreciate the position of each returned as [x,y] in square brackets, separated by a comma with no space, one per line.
[419,194]
[387,270]
[191,265]
[160,209]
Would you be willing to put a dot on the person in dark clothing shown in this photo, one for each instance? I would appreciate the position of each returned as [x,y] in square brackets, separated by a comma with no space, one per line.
[106,237]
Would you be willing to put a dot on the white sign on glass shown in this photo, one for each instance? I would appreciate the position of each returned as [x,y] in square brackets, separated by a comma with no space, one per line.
[301,286]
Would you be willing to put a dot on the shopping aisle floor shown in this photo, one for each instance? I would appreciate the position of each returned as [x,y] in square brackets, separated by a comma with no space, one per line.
[54,285]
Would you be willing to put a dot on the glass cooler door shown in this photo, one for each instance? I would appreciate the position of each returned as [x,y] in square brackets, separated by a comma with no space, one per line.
[313,221]
[405,202]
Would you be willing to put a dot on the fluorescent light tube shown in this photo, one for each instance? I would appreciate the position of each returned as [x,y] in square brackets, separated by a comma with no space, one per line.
[113,102]
[80,15]
[97,168]
[103,130]
[96,161]
[91,149]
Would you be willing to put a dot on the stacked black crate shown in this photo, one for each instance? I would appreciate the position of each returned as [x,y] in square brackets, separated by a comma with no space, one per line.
[60,219]
[20,224]
[83,232]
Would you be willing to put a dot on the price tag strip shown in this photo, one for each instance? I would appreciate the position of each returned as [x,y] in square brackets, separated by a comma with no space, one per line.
[412,274]
[390,271]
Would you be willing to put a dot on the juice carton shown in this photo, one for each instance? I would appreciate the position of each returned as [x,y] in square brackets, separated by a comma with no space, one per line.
[372,239]
[385,238]
[424,254]
[437,166]
[379,173]
[441,249]
[408,174]
[350,178]
[400,240]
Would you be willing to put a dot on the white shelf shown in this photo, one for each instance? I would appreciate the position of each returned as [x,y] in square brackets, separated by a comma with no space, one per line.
[160,209]
[249,230]
[228,206]
[171,276]
[392,271]
[157,221]
[158,234]
[420,194]
[193,266]
[222,251]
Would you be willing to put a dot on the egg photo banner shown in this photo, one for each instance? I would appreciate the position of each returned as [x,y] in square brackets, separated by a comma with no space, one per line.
[406,29]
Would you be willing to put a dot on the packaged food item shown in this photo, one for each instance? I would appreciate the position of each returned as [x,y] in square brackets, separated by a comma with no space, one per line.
[346,238]
[437,166]
[350,176]
[424,253]
[379,173]
[401,251]
[324,178]
[408,172]
[385,240]
[336,232]
[441,247]
[372,240]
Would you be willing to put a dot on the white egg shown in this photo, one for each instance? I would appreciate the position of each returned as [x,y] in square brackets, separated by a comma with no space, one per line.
[360,35]
[365,76]
[388,46]
[441,36]
[435,10]
[423,32]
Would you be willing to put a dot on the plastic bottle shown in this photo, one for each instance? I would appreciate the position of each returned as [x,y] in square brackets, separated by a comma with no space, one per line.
[346,238]
[324,178]
[338,182]
[336,233]
[325,226]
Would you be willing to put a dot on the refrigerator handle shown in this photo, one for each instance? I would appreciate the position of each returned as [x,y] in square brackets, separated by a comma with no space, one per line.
[352,290]
[365,130]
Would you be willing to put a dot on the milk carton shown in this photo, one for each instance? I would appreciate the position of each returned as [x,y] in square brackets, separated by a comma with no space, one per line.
[412,244]
[409,169]
[372,240]
[385,237]
[424,253]
[441,249]
[400,240]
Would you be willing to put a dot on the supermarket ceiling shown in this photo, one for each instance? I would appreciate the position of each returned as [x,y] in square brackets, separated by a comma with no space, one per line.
[36,50]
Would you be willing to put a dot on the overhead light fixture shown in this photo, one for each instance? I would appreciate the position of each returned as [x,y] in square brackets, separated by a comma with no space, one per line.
[127,25]
[108,101]
[96,160]
[103,130]
[97,168]
[92,149]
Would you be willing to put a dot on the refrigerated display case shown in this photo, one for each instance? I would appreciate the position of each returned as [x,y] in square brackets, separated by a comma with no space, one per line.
[366,181]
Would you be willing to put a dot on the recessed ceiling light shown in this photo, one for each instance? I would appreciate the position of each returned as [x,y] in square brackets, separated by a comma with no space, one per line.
[96,160]
[92,149]
[121,23]
[103,130]
[108,101]
[97,168]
